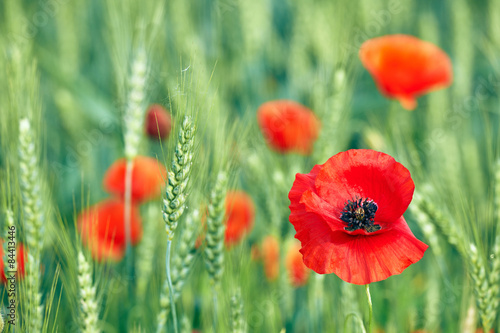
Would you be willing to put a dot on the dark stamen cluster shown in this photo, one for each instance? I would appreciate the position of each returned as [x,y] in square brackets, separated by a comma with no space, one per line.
[360,214]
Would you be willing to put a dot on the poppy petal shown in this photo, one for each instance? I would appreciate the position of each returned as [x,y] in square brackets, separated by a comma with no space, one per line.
[106,250]
[305,220]
[365,259]
[364,173]
[314,204]
[311,229]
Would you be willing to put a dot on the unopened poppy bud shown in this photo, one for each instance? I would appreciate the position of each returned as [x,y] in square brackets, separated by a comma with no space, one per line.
[158,122]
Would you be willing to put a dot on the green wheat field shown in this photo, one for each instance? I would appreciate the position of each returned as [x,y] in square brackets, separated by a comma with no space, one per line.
[76,80]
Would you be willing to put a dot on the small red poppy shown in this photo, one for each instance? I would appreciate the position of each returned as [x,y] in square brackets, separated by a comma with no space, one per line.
[288,126]
[348,215]
[297,271]
[102,229]
[240,213]
[21,257]
[405,67]
[271,257]
[148,177]
[158,122]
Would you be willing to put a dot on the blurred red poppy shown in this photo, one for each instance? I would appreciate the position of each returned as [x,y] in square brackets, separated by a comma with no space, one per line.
[21,257]
[148,177]
[102,228]
[288,126]
[240,213]
[158,122]
[271,257]
[405,67]
[297,271]
[348,215]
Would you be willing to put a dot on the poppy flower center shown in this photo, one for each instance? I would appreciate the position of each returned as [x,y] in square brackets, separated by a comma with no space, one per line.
[360,214]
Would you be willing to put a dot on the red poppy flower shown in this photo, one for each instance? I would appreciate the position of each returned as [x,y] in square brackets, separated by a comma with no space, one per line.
[158,122]
[148,177]
[240,213]
[271,257]
[21,257]
[288,126]
[405,67]
[348,215]
[298,272]
[102,229]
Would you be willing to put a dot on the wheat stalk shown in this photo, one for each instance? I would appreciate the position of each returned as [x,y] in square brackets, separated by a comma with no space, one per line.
[89,314]
[182,261]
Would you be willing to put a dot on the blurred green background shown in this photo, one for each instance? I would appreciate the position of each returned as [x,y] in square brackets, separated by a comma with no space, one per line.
[65,65]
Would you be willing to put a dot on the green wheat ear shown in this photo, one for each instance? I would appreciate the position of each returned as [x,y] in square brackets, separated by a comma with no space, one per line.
[237,321]
[452,233]
[33,220]
[178,177]
[214,248]
[135,111]
[481,286]
[176,196]
[89,315]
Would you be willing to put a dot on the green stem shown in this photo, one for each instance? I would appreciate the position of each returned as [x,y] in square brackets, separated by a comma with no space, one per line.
[214,292]
[370,308]
[170,287]
[128,221]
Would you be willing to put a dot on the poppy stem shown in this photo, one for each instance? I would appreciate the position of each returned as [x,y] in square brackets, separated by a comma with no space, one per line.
[370,308]
[170,287]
